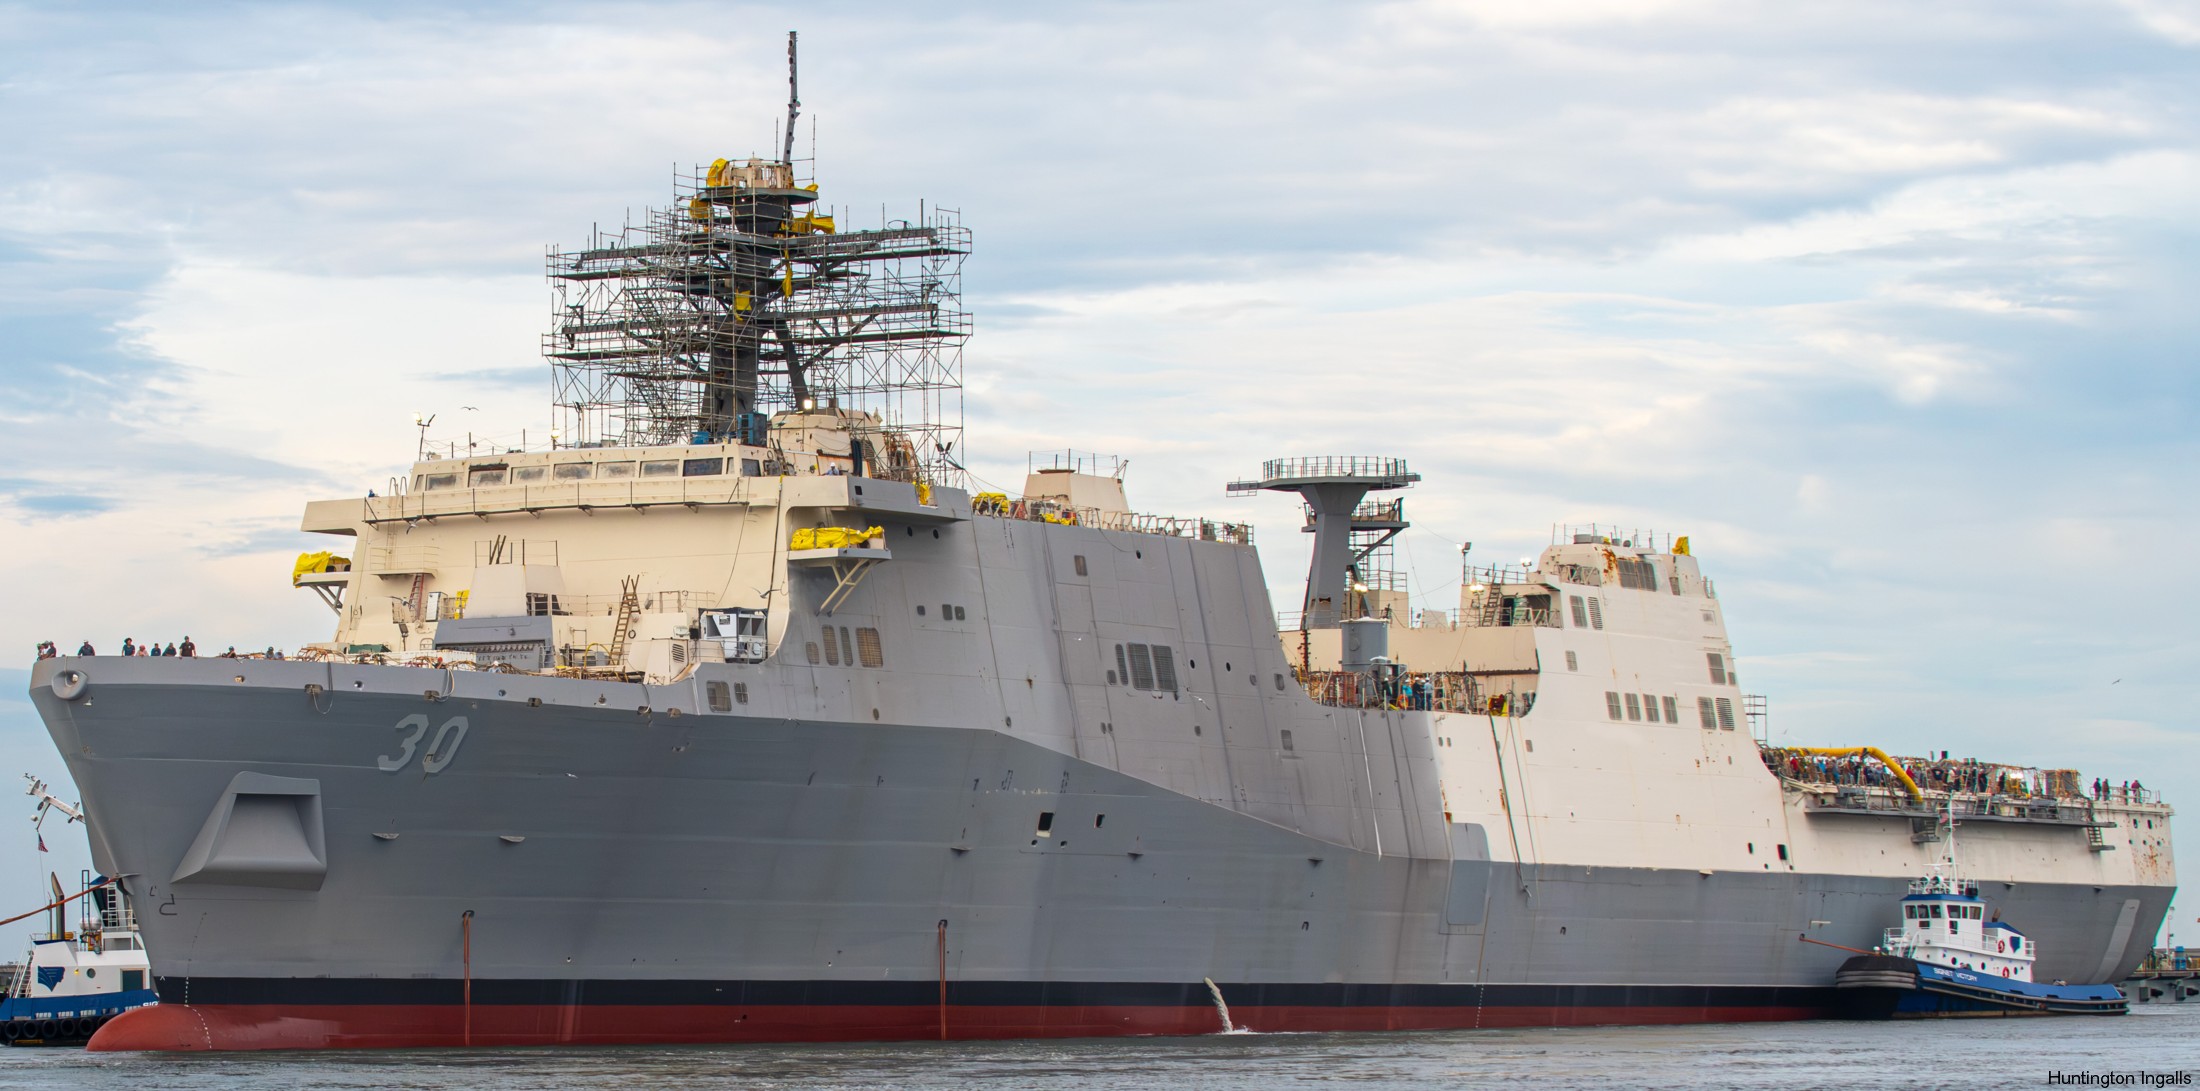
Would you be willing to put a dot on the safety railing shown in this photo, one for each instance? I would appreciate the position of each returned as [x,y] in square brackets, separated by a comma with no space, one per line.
[1045,510]
[1334,466]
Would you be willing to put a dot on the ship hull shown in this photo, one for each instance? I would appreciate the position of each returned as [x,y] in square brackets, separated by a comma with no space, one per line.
[580,872]
[1007,1010]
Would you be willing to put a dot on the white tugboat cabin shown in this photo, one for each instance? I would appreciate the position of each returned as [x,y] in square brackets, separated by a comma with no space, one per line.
[1944,923]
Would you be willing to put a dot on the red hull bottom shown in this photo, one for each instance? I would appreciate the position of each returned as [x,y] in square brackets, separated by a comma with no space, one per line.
[199,1027]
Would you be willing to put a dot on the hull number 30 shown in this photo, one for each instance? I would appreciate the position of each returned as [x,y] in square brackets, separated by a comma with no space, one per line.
[441,749]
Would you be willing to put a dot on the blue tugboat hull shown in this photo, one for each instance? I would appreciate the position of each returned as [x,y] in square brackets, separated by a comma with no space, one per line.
[1891,987]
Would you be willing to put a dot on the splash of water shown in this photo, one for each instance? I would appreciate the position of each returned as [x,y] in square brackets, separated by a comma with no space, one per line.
[1222,1009]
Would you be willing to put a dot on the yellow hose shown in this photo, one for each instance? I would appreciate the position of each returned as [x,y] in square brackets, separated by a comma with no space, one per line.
[1893,766]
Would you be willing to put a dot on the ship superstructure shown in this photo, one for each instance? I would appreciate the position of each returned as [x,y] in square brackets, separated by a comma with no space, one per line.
[722,721]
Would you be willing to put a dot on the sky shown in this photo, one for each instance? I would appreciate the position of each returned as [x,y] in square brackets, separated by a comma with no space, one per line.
[1887,306]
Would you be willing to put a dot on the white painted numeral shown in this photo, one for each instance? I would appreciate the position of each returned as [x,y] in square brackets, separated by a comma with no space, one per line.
[419,725]
[441,749]
[438,754]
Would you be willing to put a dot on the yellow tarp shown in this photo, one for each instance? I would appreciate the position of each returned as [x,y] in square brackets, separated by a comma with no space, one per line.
[834,537]
[1680,545]
[990,501]
[310,563]
[717,176]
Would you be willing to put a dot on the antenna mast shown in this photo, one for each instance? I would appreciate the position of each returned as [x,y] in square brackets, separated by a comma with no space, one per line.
[794,103]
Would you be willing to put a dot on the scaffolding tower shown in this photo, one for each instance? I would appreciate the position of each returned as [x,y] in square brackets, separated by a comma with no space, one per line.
[742,299]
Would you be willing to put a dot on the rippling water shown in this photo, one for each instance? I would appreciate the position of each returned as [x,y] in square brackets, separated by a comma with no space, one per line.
[2159,1038]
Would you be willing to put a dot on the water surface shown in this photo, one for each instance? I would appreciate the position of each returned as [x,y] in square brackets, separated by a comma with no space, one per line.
[2156,1038]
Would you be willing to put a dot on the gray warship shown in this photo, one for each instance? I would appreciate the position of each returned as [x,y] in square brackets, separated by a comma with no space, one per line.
[738,712]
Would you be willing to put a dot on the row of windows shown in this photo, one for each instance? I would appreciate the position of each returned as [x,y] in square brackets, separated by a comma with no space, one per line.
[1588,613]
[491,476]
[1636,574]
[1959,912]
[865,648]
[1144,666]
[720,700]
[948,612]
[1642,707]
[1715,714]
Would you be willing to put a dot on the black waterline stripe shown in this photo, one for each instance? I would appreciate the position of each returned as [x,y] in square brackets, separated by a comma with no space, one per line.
[611,992]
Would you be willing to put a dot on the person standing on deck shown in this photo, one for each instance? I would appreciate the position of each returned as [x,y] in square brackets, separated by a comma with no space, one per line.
[190,650]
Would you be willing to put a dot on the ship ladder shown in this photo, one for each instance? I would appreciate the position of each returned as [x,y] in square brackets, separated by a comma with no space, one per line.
[2094,840]
[417,600]
[630,607]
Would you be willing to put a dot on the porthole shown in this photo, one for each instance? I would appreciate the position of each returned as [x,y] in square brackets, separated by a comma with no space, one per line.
[935,532]
[920,611]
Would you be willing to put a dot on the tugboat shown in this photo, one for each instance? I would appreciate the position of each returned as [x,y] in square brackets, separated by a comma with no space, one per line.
[1952,957]
[73,982]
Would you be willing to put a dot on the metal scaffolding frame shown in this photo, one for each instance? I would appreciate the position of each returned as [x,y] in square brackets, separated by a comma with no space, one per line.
[737,301]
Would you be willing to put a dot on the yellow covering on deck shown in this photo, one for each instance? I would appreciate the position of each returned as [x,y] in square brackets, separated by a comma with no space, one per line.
[1900,774]
[834,537]
[311,563]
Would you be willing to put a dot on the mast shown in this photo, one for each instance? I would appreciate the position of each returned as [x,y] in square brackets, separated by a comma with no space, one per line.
[794,106]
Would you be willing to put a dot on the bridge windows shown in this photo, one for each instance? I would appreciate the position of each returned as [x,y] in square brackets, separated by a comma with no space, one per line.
[1710,716]
[1649,708]
[1636,574]
[1150,667]
[669,467]
[1726,713]
[1672,711]
[1634,707]
[1581,612]
[1572,663]
[1611,704]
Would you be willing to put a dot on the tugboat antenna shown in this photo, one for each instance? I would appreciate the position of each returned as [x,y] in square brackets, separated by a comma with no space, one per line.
[794,104]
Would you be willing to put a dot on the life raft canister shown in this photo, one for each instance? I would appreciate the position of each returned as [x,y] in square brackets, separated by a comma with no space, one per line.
[2001,945]
[2005,971]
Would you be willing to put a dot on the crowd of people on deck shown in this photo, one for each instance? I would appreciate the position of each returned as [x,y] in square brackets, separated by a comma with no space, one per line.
[2123,791]
[1942,774]
[47,649]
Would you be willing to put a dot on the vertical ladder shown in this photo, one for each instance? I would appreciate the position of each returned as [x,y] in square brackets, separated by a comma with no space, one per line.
[622,630]
[418,598]
[2095,841]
